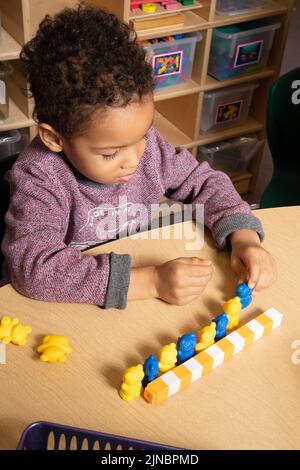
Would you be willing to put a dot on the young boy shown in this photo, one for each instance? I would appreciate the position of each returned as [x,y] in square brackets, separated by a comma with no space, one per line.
[93,94]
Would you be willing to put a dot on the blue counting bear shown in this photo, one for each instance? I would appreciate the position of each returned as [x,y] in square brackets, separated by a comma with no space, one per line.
[150,370]
[186,347]
[221,322]
[244,293]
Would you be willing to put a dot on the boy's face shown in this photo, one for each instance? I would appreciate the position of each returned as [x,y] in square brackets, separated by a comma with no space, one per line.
[110,149]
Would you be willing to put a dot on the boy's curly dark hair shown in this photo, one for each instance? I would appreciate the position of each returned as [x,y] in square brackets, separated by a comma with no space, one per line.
[80,60]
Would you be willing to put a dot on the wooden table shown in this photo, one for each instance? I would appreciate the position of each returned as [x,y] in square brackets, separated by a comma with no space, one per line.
[252,401]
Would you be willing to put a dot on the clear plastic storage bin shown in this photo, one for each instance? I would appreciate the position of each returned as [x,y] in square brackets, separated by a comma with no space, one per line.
[5,70]
[228,106]
[237,7]
[230,155]
[9,143]
[172,60]
[242,48]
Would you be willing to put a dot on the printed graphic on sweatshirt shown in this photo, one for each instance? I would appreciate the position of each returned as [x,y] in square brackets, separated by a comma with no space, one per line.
[107,222]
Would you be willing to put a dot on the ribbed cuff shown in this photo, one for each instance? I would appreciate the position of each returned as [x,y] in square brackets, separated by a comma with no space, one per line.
[118,283]
[232,223]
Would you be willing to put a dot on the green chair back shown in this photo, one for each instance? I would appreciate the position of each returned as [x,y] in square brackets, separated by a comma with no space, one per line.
[283,132]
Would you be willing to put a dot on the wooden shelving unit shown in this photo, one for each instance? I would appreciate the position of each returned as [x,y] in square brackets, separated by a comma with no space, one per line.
[16,120]
[192,22]
[171,132]
[251,125]
[9,47]
[20,19]
[178,108]
[182,128]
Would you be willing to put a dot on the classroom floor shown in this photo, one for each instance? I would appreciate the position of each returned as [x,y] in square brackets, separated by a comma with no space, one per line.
[291,60]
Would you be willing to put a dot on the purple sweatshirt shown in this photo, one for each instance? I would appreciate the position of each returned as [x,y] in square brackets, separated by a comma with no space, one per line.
[55,213]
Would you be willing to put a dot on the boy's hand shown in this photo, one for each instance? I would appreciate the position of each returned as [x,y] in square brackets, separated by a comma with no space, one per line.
[251,262]
[182,280]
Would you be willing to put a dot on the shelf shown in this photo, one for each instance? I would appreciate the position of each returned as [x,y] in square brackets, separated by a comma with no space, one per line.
[179,139]
[9,48]
[192,22]
[162,11]
[178,90]
[275,8]
[170,132]
[16,120]
[241,181]
[238,175]
[251,125]
[212,84]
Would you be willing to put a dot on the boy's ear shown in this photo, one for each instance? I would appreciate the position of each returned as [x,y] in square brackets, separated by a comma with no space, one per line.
[50,137]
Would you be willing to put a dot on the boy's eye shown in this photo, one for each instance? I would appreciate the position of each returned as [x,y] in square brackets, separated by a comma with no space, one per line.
[111,156]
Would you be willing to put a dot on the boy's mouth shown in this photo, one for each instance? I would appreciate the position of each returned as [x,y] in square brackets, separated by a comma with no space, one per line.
[126,177]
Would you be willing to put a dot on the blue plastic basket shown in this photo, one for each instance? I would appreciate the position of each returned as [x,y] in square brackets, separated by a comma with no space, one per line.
[49,436]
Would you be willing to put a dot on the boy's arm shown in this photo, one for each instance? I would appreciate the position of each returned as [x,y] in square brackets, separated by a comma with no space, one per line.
[183,179]
[38,262]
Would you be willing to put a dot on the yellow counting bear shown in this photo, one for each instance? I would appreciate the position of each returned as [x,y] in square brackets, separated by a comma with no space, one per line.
[11,331]
[19,334]
[6,326]
[167,357]
[232,308]
[132,382]
[55,348]
[206,337]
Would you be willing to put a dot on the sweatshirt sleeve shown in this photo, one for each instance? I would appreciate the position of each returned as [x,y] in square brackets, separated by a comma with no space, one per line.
[38,262]
[183,178]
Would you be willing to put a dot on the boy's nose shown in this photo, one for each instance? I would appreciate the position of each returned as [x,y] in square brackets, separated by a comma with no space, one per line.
[131,162]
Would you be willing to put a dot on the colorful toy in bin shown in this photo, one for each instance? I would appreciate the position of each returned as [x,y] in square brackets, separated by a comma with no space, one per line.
[11,331]
[241,48]
[171,5]
[149,8]
[172,58]
[55,348]
[227,106]
[154,6]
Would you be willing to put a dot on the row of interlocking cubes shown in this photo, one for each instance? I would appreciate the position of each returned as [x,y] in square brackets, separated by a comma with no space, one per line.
[177,379]
[137,377]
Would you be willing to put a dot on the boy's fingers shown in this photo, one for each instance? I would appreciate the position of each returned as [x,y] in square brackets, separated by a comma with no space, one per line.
[189,299]
[254,272]
[200,271]
[198,281]
[195,261]
[239,269]
[193,291]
